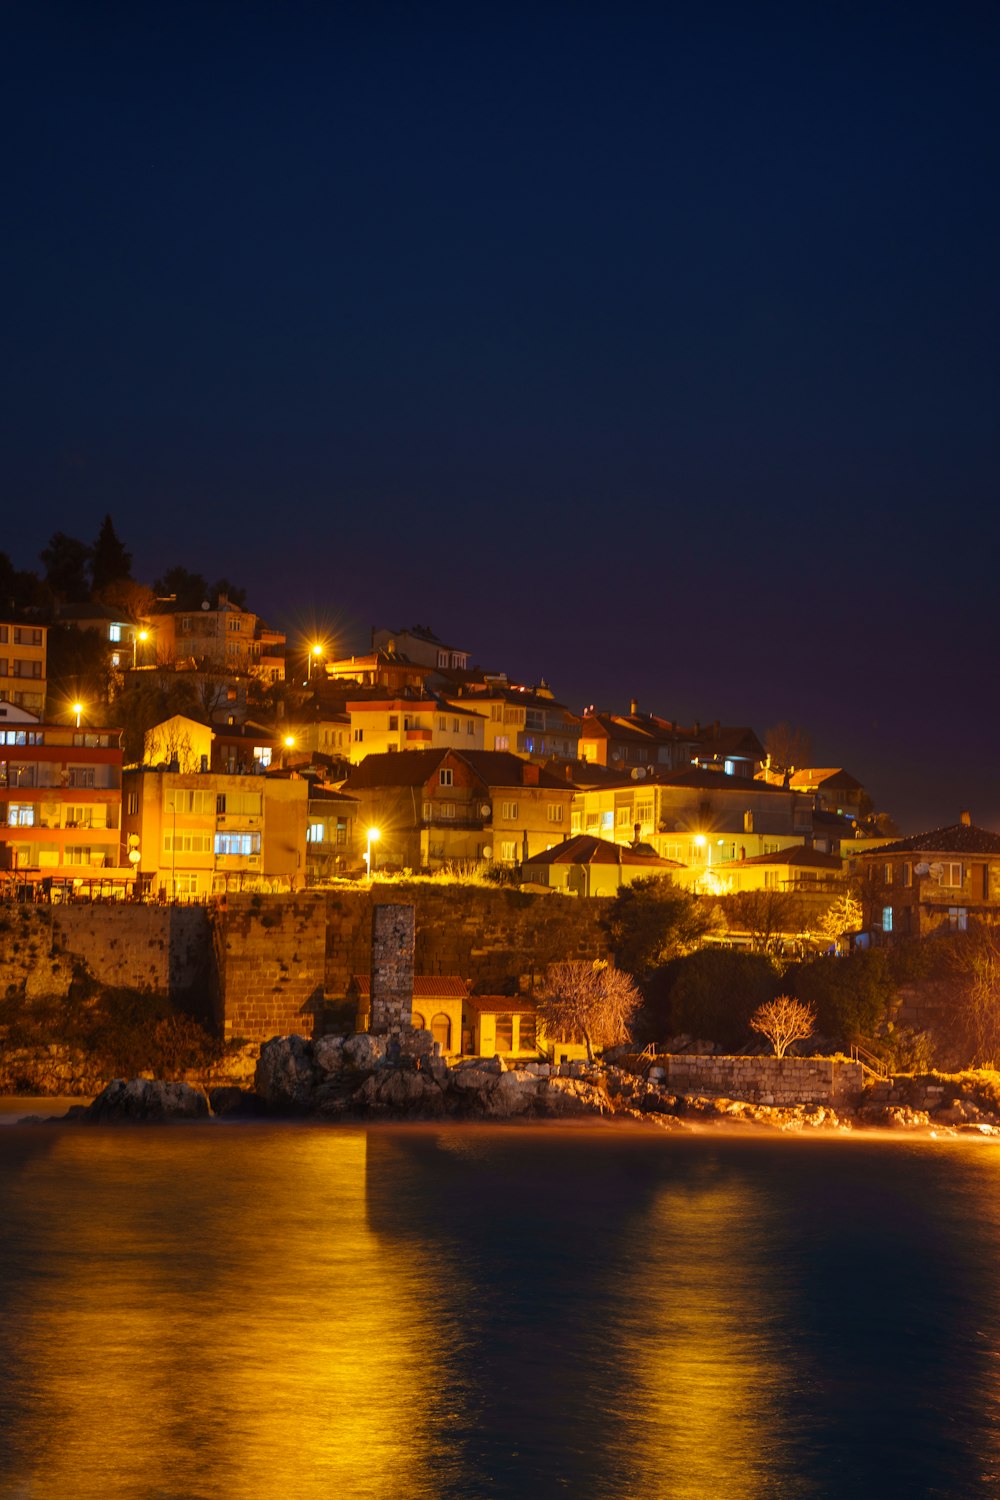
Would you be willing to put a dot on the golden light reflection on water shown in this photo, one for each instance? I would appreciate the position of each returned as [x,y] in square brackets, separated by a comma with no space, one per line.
[709,1383]
[225,1346]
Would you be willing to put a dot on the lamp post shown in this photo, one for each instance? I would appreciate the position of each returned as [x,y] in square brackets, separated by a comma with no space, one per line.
[315,652]
[139,635]
[78,710]
[373,837]
[288,743]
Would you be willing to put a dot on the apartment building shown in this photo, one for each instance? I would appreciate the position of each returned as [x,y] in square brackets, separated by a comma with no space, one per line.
[23,650]
[60,807]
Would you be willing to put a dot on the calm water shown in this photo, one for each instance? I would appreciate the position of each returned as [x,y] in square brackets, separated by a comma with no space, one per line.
[270,1311]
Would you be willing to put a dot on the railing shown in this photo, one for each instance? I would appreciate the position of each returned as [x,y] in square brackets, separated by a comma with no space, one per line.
[869,1062]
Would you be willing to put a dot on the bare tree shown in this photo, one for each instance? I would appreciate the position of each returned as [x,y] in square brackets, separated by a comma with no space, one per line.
[843,915]
[585,1002]
[783,1021]
[766,915]
[975,959]
[788,749]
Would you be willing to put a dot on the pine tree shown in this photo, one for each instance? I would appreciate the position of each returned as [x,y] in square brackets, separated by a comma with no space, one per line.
[109,561]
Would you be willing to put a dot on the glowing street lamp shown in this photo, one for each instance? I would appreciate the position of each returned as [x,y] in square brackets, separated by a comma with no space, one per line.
[140,635]
[314,654]
[78,710]
[289,744]
[374,834]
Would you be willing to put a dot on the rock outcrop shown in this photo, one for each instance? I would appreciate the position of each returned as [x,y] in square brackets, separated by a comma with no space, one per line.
[145,1101]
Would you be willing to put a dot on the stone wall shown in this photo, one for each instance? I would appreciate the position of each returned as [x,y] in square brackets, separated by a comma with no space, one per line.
[501,939]
[161,949]
[764,1080]
[270,956]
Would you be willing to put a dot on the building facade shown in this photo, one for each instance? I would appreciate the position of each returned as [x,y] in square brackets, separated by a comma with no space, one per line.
[23,655]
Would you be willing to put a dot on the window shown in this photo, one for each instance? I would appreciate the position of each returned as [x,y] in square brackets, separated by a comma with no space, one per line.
[179,800]
[907,873]
[556,812]
[958,918]
[442,658]
[496,710]
[508,811]
[505,1033]
[624,817]
[470,728]
[81,776]
[184,885]
[456,725]
[114,632]
[447,809]
[132,803]
[394,721]
[316,833]
[508,851]
[441,1031]
[887,919]
[262,753]
[79,817]
[21,815]
[644,811]
[428,811]
[79,854]
[3,635]
[951,873]
[445,776]
[186,842]
[23,668]
[501,742]
[607,822]
[417,1021]
[359,735]
[442,723]
[526,1030]
[887,874]
[237,843]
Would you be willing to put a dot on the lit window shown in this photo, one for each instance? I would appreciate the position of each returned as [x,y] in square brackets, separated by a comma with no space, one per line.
[447,809]
[114,632]
[315,833]
[887,874]
[509,812]
[887,919]
[21,815]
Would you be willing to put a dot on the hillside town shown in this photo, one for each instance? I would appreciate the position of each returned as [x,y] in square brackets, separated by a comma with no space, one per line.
[165,744]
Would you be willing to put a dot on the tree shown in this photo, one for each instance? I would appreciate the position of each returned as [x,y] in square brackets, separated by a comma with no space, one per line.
[109,561]
[788,749]
[784,1021]
[190,588]
[976,962]
[710,994]
[592,1003]
[66,561]
[842,916]
[853,996]
[652,921]
[231,591]
[765,915]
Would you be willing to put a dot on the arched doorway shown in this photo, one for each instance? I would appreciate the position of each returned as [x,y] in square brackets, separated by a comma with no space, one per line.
[441,1031]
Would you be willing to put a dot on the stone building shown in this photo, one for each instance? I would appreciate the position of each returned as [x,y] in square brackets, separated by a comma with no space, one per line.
[930,881]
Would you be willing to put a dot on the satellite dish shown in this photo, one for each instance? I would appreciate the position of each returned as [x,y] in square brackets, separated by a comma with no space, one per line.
[638,773]
[485,810]
[923,868]
[936,869]
[487,851]
[205,604]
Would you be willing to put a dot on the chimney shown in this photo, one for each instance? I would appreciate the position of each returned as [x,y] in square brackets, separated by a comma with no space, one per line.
[965,818]
[636,829]
[530,773]
[633,706]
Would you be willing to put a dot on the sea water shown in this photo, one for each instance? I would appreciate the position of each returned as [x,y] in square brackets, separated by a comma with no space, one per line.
[256,1310]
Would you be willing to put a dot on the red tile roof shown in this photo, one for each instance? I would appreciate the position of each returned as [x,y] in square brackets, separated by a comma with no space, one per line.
[425,986]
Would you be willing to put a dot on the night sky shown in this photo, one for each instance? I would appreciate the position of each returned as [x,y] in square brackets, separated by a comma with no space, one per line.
[649,349]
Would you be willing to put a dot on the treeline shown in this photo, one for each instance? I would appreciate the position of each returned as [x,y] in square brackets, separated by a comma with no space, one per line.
[708,993]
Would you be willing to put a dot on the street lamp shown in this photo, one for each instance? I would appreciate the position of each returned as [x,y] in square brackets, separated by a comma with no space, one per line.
[289,744]
[314,653]
[139,635]
[78,710]
[374,835]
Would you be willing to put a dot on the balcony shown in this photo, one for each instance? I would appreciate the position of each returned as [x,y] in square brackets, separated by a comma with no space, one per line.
[413,736]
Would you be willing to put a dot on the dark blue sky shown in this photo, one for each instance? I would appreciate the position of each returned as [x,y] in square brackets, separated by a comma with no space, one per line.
[650,349]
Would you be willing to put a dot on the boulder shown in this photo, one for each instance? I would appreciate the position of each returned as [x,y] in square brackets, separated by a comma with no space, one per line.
[364,1051]
[234,1103]
[328,1054]
[512,1094]
[472,1080]
[573,1097]
[145,1100]
[285,1077]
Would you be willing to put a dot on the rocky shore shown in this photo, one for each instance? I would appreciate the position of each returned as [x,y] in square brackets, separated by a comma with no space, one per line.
[365,1078]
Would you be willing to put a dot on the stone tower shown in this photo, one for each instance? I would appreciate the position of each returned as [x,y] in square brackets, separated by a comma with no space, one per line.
[392,969]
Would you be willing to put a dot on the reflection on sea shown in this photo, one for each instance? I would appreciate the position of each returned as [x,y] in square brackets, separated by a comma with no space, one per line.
[313,1312]
[216,1317]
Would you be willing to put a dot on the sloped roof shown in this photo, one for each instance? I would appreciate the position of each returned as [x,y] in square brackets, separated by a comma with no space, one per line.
[500,1005]
[425,986]
[798,856]
[698,779]
[957,838]
[730,739]
[409,768]
[819,776]
[585,849]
